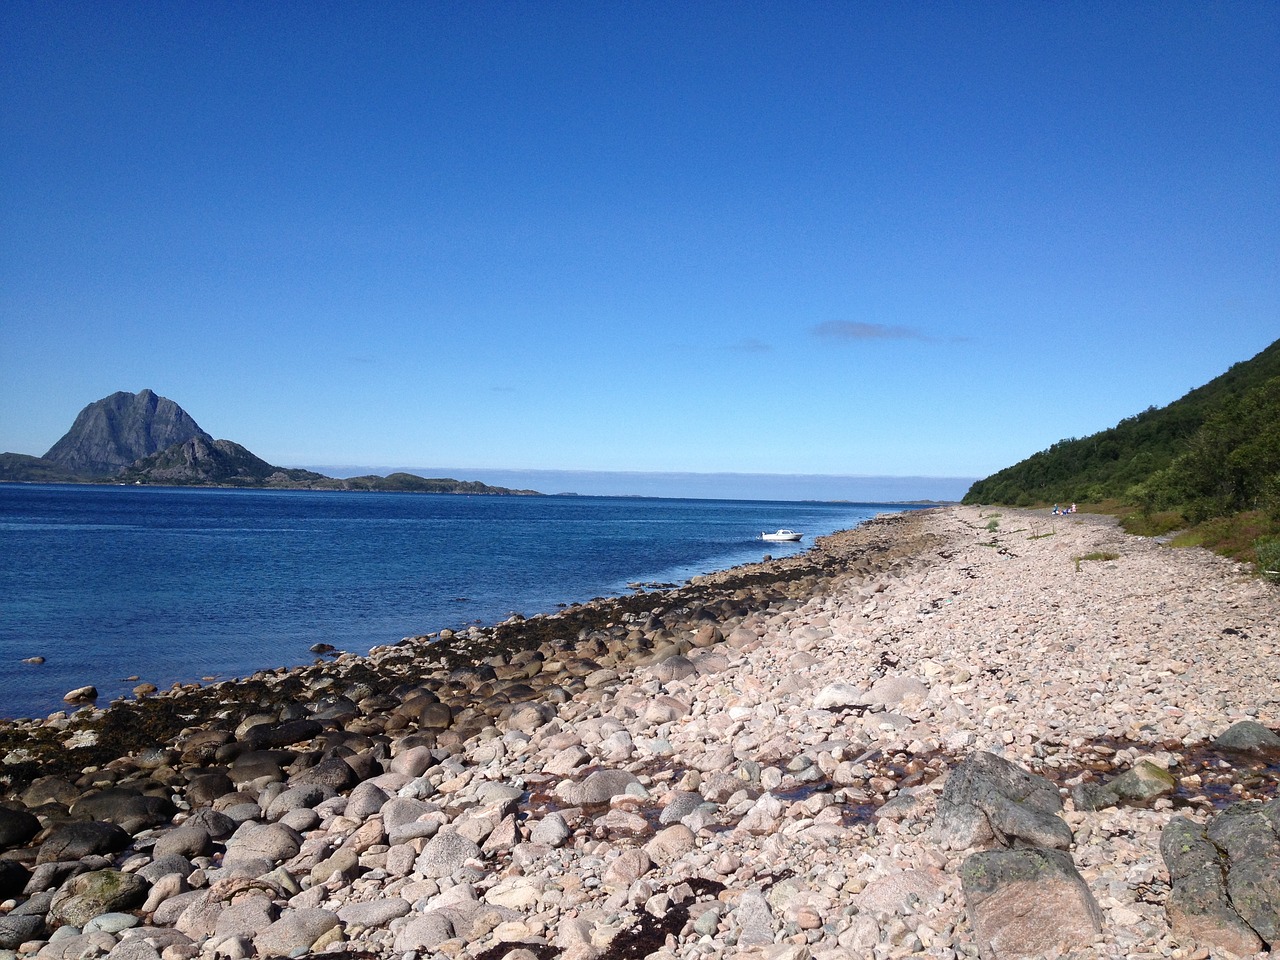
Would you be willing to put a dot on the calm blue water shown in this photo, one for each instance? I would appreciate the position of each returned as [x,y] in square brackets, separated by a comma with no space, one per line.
[164,584]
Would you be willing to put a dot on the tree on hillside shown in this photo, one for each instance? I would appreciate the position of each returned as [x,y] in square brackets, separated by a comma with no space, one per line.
[1231,464]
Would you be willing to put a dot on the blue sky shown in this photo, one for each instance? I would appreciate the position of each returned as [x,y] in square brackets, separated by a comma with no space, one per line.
[854,239]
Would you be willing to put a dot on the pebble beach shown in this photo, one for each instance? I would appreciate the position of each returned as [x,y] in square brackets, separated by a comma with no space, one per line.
[959,732]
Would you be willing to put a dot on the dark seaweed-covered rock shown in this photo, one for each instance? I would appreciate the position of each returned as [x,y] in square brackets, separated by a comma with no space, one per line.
[16,827]
[79,839]
[129,809]
[266,736]
[13,878]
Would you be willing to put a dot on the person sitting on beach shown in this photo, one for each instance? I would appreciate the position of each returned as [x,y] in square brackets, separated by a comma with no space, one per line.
[1056,511]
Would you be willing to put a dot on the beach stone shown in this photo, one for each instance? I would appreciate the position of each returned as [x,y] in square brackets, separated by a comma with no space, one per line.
[424,933]
[218,824]
[366,799]
[14,878]
[892,691]
[163,866]
[626,869]
[133,949]
[130,810]
[445,853]
[205,788]
[838,696]
[754,920]
[988,800]
[17,930]
[551,830]
[187,840]
[244,916]
[332,772]
[50,790]
[376,913]
[80,839]
[1198,907]
[262,841]
[1247,736]
[81,694]
[1027,903]
[671,843]
[601,786]
[87,895]
[303,796]
[17,827]
[295,932]
[111,923]
[164,888]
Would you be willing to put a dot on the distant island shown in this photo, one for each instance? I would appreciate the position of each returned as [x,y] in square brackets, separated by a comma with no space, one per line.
[143,438]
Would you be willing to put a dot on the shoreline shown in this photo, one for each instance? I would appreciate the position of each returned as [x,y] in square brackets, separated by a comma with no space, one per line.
[761,762]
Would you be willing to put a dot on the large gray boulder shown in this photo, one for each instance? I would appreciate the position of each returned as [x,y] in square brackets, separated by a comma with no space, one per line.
[88,895]
[988,801]
[1027,903]
[1249,835]
[79,839]
[130,810]
[1198,907]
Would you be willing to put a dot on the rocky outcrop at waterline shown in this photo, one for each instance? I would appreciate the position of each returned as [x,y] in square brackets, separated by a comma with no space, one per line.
[834,755]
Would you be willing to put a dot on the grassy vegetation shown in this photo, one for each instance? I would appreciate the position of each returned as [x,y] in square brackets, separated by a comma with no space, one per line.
[1098,556]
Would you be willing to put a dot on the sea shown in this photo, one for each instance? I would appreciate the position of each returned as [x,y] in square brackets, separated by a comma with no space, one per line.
[116,585]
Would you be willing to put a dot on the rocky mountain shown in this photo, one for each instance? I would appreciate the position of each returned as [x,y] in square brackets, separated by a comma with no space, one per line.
[120,429]
[143,438]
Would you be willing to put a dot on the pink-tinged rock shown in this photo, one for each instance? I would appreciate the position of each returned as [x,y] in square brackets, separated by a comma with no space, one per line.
[1027,903]
[671,844]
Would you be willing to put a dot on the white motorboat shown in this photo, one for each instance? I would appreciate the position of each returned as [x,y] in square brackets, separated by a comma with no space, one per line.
[781,536]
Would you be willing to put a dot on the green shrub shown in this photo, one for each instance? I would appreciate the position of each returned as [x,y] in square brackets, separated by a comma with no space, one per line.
[1269,557]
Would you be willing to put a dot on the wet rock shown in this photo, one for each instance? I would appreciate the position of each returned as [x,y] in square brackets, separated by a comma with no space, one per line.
[1144,782]
[81,694]
[988,800]
[1027,903]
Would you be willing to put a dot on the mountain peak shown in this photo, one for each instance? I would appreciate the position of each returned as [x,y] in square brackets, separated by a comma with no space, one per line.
[120,429]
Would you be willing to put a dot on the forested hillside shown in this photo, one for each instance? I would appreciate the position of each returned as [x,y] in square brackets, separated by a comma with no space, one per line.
[1121,463]
[1208,464]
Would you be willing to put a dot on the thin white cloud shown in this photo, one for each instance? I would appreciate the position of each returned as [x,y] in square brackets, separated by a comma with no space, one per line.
[846,330]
